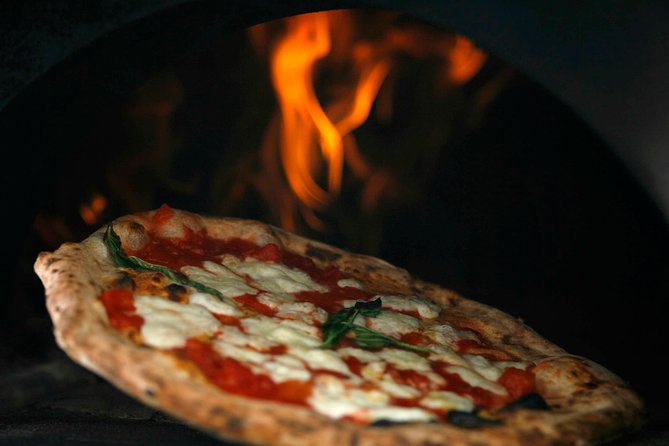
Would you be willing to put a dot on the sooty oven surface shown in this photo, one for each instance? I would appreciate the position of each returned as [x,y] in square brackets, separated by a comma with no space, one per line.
[548,220]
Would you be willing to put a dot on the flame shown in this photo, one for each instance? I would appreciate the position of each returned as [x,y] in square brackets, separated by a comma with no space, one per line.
[304,121]
[466,60]
[90,212]
[314,142]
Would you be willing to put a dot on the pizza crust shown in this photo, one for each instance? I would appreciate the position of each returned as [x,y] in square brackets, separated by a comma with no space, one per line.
[589,403]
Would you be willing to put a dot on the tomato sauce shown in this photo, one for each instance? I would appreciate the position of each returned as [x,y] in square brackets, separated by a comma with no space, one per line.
[120,306]
[481,397]
[411,378]
[354,364]
[228,320]
[415,338]
[196,247]
[251,301]
[162,215]
[467,345]
[235,377]
[332,300]
[517,382]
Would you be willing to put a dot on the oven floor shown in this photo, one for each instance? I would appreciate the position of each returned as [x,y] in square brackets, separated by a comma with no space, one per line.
[89,411]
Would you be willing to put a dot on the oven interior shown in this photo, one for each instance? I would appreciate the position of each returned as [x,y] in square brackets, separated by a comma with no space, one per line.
[493,187]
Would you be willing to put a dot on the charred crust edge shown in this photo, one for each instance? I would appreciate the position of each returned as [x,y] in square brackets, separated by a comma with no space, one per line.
[321,253]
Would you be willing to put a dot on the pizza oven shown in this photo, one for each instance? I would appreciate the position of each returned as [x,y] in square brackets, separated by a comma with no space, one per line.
[516,153]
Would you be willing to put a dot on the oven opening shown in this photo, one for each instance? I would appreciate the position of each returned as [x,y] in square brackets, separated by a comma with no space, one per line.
[370,130]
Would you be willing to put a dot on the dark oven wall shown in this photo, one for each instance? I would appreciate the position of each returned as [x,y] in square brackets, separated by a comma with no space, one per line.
[558,220]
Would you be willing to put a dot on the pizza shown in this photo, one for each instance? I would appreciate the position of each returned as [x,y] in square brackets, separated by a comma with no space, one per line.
[260,336]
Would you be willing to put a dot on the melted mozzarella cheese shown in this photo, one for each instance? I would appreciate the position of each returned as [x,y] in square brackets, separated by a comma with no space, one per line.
[235,336]
[374,371]
[240,353]
[219,278]
[405,360]
[274,301]
[445,400]
[273,277]
[483,367]
[287,332]
[359,354]
[223,306]
[445,354]
[393,324]
[302,311]
[285,368]
[474,379]
[320,359]
[425,308]
[446,335]
[397,390]
[279,367]
[401,414]
[351,283]
[332,397]
[169,324]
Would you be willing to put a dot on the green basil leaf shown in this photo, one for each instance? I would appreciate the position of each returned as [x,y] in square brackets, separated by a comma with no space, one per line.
[121,259]
[369,338]
[343,321]
[371,308]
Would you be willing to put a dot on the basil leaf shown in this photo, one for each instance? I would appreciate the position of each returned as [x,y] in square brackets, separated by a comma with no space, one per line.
[369,338]
[337,326]
[343,321]
[371,308]
[123,260]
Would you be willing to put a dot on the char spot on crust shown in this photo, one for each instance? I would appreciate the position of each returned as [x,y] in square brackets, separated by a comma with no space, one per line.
[354,439]
[217,411]
[124,280]
[157,278]
[322,254]
[135,227]
[150,393]
[233,423]
[298,426]
[176,293]
[591,385]
[133,235]
[51,261]
[371,268]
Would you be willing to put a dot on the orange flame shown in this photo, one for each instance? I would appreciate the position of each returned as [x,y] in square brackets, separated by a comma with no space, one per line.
[466,60]
[90,212]
[304,122]
[315,141]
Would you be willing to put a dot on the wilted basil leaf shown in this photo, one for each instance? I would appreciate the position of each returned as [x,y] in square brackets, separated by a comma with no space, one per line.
[343,321]
[121,259]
